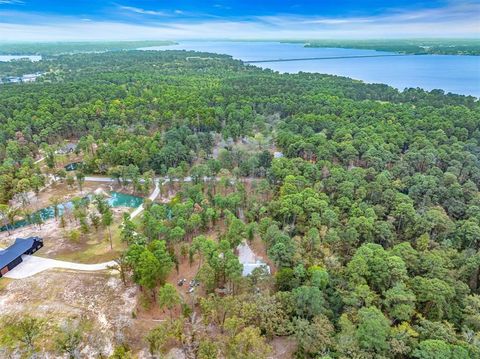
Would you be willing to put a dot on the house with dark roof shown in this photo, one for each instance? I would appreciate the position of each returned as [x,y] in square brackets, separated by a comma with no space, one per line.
[12,256]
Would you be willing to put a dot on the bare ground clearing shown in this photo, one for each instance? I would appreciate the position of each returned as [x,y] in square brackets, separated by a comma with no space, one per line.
[99,298]
[61,191]
[93,247]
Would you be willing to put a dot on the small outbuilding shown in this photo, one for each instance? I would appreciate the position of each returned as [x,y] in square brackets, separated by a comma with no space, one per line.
[12,256]
[68,148]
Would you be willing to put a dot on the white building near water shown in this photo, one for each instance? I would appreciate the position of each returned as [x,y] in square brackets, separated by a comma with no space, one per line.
[21,79]
[29,77]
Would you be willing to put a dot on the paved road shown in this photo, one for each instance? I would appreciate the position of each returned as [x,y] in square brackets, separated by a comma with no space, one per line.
[99,179]
[165,180]
[32,265]
[152,197]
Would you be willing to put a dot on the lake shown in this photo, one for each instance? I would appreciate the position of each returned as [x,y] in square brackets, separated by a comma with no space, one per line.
[456,74]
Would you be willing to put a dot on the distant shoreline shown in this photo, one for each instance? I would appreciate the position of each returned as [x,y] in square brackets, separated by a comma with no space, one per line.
[70,48]
[459,47]
[325,58]
[406,47]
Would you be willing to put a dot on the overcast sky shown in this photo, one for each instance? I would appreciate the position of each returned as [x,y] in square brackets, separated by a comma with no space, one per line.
[45,20]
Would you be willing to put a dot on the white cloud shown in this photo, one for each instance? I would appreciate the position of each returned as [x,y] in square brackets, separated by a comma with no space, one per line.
[454,20]
[142,11]
[338,21]
[220,6]
[11,2]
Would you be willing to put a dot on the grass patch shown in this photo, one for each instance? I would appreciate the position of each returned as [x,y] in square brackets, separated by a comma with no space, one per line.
[4,282]
[96,248]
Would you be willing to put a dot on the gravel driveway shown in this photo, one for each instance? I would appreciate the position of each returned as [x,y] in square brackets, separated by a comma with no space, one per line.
[32,265]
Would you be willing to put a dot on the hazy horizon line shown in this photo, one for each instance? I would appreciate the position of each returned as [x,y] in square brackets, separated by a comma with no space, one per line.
[293,40]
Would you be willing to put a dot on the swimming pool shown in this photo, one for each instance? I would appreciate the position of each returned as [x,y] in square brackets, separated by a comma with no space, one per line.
[116,199]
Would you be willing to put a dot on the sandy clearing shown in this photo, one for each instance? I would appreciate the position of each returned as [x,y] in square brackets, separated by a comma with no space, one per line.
[97,297]
[245,253]
[249,259]
[32,265]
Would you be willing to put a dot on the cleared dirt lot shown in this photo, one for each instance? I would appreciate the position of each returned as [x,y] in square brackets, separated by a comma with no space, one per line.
[63,193]
[93,247]
[99,298]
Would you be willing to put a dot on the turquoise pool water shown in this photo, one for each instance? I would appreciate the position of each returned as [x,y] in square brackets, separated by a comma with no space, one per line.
[117,199]
[73,166]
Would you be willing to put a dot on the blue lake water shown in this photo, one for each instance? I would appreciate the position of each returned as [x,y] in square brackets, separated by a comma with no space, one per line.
[456,74]
[116,199]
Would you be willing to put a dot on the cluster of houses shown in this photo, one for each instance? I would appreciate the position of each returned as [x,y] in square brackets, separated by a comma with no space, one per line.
[20,79]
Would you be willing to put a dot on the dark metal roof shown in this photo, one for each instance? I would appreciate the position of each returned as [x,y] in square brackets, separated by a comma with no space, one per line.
[18,248]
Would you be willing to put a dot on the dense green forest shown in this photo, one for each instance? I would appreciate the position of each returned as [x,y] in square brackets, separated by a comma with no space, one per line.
[371,219]
[414,46]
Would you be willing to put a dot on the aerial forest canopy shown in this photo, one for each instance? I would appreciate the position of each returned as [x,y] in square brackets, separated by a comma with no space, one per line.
[371,218]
